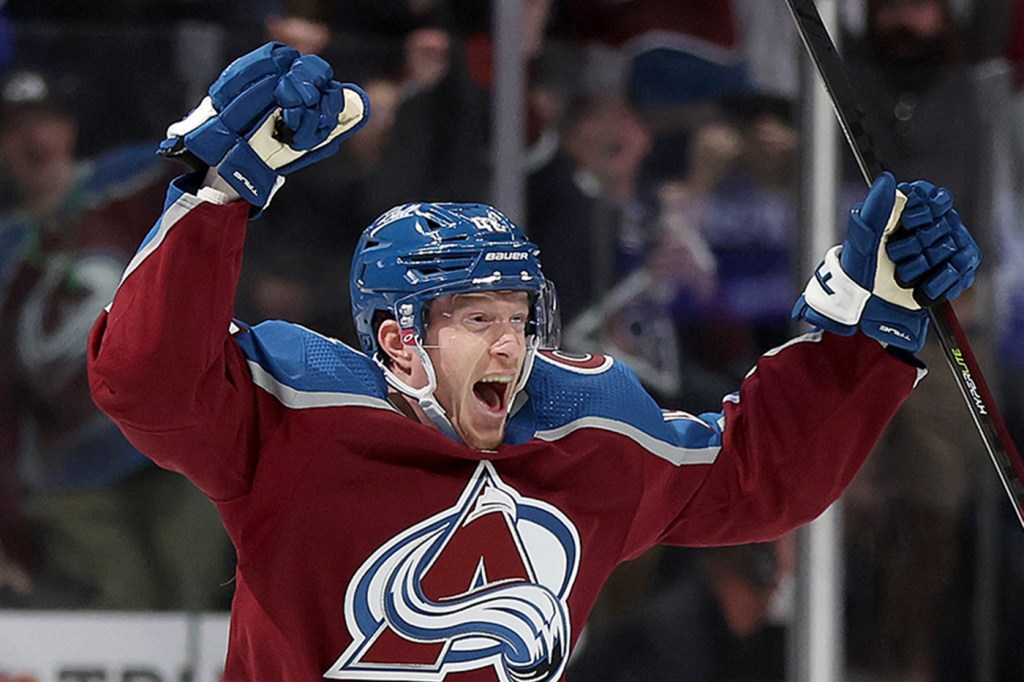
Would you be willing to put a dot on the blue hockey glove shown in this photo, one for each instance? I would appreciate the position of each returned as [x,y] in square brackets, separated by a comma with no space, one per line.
[862,286]
[270,113]
[239,98]
[934,253]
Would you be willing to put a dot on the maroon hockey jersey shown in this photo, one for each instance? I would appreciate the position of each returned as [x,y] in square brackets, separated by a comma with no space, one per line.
[371,547]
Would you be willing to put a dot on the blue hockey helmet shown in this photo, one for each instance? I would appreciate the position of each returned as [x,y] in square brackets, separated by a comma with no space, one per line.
[416,252]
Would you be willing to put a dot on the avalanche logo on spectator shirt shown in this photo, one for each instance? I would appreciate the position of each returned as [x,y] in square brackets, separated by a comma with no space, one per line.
[482,584]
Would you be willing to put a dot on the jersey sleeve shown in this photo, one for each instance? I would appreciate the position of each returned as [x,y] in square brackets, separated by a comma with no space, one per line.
[162,363]
[783,447]
[790,441]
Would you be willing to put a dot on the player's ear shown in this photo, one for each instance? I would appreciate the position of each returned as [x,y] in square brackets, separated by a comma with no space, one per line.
[389,339]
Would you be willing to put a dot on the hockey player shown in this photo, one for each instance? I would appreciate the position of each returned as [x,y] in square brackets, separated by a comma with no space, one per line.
[450,500]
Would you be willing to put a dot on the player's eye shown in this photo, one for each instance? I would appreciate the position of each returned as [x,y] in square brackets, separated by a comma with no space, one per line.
[478,321]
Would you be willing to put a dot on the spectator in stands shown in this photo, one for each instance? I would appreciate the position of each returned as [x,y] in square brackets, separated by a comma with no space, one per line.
[368,36]
[107,529]
[710,258]
[439,143]
[742,201]
[669,52]
[591,196]
[909,509]
[1009,323]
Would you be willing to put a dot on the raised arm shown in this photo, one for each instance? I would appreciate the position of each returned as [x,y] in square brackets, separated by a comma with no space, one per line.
[162,362]
[792,438]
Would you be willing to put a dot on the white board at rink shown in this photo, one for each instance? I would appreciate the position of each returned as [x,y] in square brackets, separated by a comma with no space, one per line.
[58,646]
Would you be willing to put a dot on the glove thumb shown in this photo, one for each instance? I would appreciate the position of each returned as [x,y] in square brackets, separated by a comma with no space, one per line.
[878,203]
[865,230]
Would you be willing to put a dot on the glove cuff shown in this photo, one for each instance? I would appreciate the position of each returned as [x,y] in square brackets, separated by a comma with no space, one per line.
[895,325]
[805,312]
[836,303]
[833,294]
[245,171]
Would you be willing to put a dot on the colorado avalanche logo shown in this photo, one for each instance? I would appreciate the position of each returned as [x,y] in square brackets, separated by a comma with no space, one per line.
[482,584]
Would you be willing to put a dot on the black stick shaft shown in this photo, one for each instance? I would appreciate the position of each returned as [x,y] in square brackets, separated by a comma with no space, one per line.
[957,349]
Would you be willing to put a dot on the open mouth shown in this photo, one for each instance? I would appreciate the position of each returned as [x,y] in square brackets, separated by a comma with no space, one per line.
[492,392]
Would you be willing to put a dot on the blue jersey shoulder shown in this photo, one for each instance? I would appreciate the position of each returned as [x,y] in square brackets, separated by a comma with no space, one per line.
[571,392]
[566,388]
[306,361]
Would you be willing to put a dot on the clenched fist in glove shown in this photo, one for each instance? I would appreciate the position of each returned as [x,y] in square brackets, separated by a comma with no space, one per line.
[270,113]
[903,249]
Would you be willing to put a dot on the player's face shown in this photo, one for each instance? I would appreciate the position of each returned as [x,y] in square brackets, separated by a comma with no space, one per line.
[39,153]
[477,344]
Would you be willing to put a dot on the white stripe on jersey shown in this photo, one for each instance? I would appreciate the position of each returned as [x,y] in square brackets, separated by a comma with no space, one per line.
[679,415]
[808,337]
[301,400]
[673,454]
[178,210]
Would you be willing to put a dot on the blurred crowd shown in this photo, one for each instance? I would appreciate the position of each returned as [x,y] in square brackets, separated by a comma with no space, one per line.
[662,184]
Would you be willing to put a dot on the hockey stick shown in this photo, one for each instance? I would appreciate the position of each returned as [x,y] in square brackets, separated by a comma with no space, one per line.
[962,363]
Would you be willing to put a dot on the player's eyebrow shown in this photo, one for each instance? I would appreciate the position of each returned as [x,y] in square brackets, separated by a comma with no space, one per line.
[482,296]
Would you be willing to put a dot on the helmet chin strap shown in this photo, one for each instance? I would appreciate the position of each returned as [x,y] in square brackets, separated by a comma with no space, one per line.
[426,399]
[423,396]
